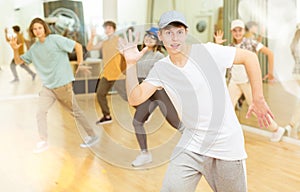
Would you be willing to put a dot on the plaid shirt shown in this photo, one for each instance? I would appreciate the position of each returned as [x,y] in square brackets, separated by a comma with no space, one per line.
[247,43]
[238,72]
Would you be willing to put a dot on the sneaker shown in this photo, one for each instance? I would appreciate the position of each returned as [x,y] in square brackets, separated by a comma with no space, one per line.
[239,105]
[40,147]
[291,131]
[104,120]
[142,159]
[276,136]
[89,141]
[14,81]
[288,129]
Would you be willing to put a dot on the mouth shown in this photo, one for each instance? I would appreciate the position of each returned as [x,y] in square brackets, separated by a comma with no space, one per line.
[175,46]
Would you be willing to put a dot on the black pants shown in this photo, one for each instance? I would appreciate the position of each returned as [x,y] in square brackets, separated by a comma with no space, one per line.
[144,110]
[103,88]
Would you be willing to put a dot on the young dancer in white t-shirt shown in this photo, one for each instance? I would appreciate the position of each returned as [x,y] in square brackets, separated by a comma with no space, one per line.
[193,76]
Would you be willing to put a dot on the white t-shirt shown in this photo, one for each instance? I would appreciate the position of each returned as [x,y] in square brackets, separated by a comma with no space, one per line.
[199,93]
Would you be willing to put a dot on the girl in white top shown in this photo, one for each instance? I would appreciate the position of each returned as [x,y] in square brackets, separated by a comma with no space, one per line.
[239,83]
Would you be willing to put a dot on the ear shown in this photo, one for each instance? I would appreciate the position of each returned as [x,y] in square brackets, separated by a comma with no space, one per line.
[186,31]
[159,35]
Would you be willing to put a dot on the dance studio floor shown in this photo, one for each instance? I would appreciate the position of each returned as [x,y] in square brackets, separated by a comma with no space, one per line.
[65,167]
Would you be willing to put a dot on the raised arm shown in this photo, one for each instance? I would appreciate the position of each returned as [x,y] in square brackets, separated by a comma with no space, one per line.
[136,93]
[6,34]
[219,37]
[90,45]
[15,46]
[259,105]
[79,53]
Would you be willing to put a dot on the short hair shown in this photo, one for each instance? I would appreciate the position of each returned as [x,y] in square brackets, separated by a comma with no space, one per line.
[16,28]
[42,22]
[110,23]
[174,24]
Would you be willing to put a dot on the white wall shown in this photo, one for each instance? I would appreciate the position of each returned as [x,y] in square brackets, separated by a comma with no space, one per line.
[6,20]
[27,10]
[132,12]
[201,10]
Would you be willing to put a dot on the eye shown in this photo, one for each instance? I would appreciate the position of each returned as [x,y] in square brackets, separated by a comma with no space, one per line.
[152,37]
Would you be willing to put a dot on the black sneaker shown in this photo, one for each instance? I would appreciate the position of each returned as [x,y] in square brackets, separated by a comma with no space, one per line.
[104,120]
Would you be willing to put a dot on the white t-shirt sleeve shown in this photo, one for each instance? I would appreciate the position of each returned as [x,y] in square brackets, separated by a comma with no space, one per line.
[223,55]
[259,46]
[153,77]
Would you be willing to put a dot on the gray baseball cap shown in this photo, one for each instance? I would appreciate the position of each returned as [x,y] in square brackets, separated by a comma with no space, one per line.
[169,17]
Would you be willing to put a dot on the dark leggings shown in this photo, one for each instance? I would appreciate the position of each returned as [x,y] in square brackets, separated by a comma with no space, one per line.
[143,111]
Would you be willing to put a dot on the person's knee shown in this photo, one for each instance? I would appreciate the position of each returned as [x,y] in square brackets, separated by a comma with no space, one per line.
[137,123]
[173,183]
[41,113]
[101,92]
[138,126]
[12,65]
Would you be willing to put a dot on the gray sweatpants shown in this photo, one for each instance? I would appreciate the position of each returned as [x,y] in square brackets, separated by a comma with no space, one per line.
[186,169]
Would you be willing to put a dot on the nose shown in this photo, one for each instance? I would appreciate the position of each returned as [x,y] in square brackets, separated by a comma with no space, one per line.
[174,36]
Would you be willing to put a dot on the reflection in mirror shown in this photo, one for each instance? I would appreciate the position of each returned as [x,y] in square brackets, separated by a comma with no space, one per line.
[282,95]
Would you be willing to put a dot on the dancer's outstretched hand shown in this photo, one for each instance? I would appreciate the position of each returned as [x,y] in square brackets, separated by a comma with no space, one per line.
[86,70]
[128,47]
[262,111]
[14,44]
[270,77]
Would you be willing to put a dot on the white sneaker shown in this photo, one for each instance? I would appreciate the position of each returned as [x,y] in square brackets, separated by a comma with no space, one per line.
[292,131]
[288,129]
[142,159]
[89,141]
[40,147]
[276,136]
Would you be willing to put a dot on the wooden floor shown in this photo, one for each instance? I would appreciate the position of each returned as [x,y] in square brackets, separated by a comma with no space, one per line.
[65,167]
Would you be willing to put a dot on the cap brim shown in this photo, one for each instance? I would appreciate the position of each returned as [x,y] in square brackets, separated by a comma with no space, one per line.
[237,26]
[179,21]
